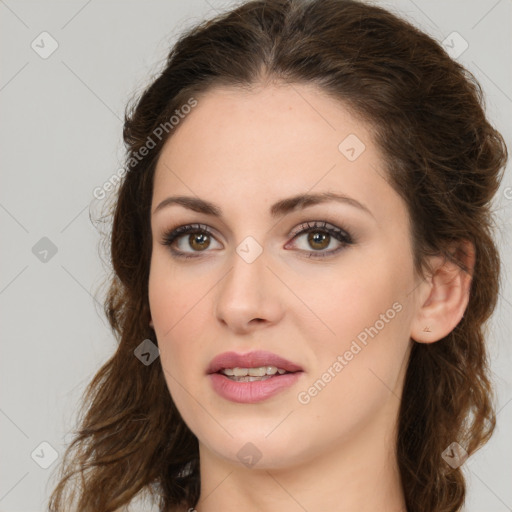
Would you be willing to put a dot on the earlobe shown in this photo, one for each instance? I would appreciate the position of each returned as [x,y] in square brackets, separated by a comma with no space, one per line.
[443,298]
[151,323]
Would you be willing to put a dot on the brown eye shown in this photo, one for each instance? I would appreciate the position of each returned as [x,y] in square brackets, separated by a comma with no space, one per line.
[199,241]
[191,240]
[320,235]
[317,240]
[188,241]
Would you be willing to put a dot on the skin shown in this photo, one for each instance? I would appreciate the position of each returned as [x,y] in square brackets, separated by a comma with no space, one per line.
[244,151]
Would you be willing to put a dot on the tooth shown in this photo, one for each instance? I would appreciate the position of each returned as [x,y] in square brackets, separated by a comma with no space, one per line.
[257,372]
[271,370]
[260,371]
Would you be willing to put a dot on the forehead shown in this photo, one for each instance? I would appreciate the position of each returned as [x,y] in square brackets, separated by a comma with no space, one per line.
[269,143]
[277,123]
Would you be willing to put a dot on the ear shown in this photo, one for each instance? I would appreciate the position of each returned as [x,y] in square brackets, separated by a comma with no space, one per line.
[444,295]
[151,323]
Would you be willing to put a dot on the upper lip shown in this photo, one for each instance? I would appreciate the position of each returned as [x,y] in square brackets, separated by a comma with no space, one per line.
[250,360]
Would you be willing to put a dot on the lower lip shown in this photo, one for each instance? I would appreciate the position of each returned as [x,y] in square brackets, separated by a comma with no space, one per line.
[252,392]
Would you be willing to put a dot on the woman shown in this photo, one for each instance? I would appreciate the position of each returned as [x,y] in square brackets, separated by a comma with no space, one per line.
[303,267]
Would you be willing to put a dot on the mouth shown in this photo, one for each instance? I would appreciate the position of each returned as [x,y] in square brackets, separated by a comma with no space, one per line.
[252,374]
[252,377]
[258,364]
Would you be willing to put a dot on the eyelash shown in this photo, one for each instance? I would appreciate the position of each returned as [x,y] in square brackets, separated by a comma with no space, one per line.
[342,235]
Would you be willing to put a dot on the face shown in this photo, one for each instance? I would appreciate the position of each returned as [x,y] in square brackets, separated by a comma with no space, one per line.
[325,285]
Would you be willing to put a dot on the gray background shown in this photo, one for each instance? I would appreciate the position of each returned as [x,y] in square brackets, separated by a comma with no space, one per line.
[60,136]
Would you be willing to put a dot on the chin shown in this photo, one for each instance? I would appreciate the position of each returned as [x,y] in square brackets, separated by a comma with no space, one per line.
[255,451]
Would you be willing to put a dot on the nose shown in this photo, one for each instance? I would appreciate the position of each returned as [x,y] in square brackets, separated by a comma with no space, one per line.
[250,294]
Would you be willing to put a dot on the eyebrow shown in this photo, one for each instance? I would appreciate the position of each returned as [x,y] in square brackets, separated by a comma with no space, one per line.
[278,209]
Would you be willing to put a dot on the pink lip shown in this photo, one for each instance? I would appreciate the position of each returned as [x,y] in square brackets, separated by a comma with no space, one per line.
[252,392]
[251,360]
[256,391]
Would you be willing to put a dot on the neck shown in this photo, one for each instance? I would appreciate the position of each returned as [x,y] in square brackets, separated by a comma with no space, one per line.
[357,474]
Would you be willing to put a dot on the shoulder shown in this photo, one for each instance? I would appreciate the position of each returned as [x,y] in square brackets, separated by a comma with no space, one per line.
[173,509]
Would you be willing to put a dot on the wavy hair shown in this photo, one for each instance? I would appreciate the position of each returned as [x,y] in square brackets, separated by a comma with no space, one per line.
[442,156]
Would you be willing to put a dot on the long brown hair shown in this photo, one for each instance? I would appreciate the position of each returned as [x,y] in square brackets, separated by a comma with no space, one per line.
[442,156]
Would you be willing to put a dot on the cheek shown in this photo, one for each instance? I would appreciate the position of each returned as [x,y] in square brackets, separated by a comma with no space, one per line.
[172,295]
[346,302]
[358,363]
[179,315]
